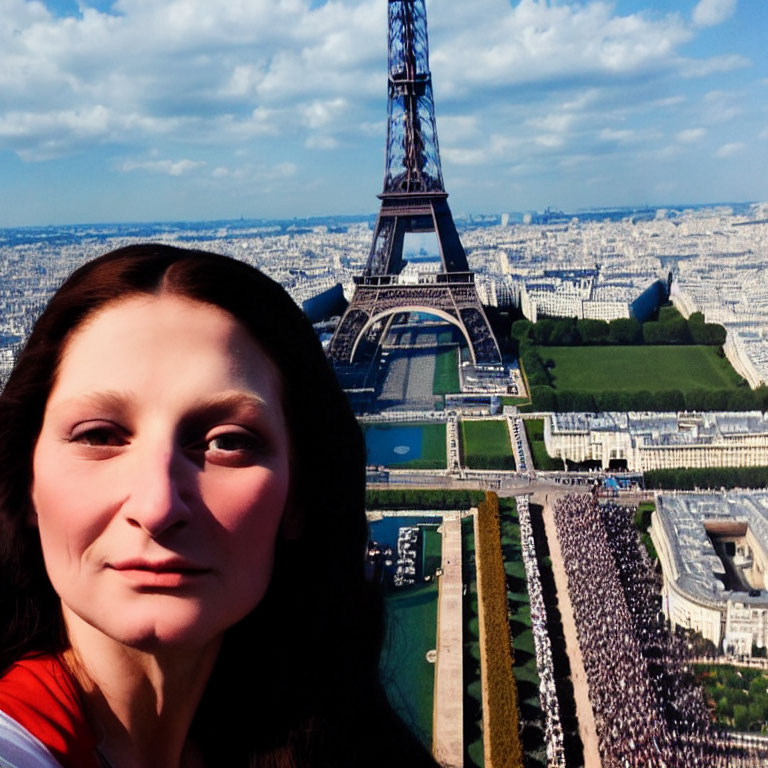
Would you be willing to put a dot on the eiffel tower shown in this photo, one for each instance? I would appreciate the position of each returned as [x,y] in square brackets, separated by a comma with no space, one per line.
[413,200]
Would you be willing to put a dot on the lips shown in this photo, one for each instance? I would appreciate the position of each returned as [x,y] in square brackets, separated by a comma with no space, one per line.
[168,573]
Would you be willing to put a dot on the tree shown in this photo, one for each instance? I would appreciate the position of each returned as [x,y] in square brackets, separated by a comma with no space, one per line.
[612,400]
[575,400]
[564,332]
[670,400]
[654,333]
[696,399]
[542,330]
[592,331]
[543,398]
[705,333]
[761,397]
[742,400]
[717,400]
[625,330]
[642,400]
[534,368]
[668,313]
[740,717]
[521,329]
[677,331]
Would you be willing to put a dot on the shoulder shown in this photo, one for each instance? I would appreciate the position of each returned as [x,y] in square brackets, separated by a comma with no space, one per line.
[20,749]
[40,696]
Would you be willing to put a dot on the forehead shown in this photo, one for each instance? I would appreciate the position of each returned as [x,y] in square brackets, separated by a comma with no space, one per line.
[163,341]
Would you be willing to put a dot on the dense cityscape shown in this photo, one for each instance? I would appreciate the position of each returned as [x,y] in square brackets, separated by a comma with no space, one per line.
[578,266]
[707,259]
[565,412]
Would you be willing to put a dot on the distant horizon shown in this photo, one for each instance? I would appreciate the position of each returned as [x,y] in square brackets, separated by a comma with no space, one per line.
[460,216]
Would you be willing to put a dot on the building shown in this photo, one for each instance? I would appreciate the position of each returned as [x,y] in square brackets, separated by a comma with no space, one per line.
[713,549]
[648,440]
[597,294]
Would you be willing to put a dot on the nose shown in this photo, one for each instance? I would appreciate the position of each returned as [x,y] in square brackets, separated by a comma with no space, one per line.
[158,499]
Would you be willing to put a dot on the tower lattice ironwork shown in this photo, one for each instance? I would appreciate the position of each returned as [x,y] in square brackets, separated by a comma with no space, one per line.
[413,200]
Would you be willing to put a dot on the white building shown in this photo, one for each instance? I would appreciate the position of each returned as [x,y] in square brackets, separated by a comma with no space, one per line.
[648,440]
[713,549]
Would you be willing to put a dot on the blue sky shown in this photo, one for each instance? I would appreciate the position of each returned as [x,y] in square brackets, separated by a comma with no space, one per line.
[131,110]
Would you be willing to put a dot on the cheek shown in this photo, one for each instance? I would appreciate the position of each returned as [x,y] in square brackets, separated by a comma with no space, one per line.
[68,507]
[247,507]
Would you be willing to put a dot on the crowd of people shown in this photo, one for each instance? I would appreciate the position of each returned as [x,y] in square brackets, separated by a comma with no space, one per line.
[553,729]
[649,712]
[408,381]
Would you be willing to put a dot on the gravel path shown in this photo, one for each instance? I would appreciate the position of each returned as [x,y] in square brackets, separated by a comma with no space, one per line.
[448,715]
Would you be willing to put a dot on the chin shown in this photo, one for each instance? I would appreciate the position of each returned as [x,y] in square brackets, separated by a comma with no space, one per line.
[153,635]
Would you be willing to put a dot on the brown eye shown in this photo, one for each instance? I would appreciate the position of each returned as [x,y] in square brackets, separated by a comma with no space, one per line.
[100,435]
[233,441]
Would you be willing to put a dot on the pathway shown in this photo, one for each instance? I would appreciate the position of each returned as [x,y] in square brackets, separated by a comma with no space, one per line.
[448,737]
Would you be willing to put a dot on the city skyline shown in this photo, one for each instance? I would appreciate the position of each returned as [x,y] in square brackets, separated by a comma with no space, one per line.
[137,111]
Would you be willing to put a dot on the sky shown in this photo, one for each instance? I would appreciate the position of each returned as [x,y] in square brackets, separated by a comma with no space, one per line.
[150,110]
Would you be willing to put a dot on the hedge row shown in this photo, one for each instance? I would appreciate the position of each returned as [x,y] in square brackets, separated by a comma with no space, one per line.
[546,398]
[670,328]
[707,477]
[503,718]
[421,499]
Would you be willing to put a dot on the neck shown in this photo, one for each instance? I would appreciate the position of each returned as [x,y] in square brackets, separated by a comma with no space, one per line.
[140,703]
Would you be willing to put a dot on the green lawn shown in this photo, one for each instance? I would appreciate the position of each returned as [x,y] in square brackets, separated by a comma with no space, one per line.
[534,428]
[526,674]
[408,677]
[636,368]
[485,445]
[473,694]
[432,550]
[446,379]
[514,400]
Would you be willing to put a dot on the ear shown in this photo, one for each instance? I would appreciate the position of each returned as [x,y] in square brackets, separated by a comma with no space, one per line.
[292,521]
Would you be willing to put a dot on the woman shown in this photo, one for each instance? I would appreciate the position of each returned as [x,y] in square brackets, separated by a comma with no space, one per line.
[182,511]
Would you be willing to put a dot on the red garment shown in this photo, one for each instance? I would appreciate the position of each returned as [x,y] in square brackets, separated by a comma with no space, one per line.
[40,694]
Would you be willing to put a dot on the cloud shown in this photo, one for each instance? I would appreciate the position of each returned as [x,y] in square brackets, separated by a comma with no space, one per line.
[526,89]
[535,42]
[721,106]
[321,142]
[259,172]
[690,135]
[163,167]
[619,136]
[705,67]
[215,73]
[730,149]
[709,13]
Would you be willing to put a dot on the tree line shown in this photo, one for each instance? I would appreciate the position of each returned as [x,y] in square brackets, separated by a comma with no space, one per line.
[670,328]
[503,747]
[547,398]
[687,479]
[413,498]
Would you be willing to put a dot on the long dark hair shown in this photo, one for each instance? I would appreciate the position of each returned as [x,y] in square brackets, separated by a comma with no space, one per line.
[305,661]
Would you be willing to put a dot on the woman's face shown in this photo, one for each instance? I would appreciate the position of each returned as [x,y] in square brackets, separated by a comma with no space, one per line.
[161,473]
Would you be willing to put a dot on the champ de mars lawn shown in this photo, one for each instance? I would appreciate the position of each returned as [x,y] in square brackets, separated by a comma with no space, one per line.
[633,368]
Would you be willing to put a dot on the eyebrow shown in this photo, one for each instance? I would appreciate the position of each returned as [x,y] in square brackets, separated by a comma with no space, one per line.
[223,402]
[227,402]
[108,399]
